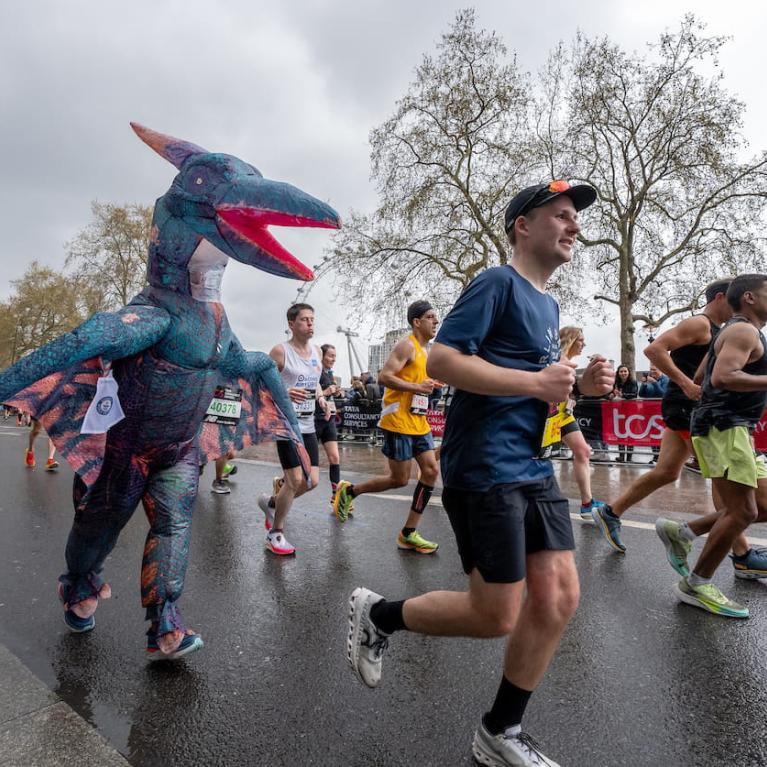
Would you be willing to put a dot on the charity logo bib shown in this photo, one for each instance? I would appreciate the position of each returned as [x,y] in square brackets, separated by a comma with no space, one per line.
[419,404]
[105,409]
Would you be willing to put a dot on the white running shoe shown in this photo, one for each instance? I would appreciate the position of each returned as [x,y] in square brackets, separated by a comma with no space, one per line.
[263,504]
[365,644]
[509,748]
[220,487]
[278,544]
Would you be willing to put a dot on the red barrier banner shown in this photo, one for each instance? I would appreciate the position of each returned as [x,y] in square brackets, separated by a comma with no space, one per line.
[632,422]
[436,419]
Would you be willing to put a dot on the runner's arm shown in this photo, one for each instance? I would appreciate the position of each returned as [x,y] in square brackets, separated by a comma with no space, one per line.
[737,346]
[402,353]
[473,374]
[692,331]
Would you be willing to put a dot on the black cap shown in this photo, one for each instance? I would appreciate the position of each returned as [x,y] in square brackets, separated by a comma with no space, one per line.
[416,310]
[531,197]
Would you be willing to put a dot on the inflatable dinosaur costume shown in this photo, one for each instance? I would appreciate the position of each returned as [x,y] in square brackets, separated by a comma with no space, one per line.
[170,350]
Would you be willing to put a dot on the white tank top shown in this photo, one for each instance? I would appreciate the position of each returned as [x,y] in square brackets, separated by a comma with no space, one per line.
[302,373]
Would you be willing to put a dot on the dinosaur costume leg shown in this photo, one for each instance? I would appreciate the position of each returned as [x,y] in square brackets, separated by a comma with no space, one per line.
[169,502]
[101,512]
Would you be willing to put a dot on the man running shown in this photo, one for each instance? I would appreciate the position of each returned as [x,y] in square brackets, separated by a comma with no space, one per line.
[678,353]
[299,363]
[407,434]
[499,346]
[325,419]
[733,399]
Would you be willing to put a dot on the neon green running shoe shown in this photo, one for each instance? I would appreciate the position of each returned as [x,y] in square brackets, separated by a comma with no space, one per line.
[677,546]
[343,503]
[229,470]
[416,542]
[708,597]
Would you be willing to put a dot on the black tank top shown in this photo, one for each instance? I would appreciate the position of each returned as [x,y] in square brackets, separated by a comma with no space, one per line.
[687,359]
[725,409]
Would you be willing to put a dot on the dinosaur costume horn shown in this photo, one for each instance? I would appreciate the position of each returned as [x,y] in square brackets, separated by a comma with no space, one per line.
[174,150]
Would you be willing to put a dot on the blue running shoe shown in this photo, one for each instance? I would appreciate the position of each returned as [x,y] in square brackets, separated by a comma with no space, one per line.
[752,565]
[77,624]
[609,526]
[189,643]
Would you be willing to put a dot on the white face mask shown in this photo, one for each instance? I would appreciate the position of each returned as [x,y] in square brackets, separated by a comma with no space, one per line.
[105,409]
[206,271]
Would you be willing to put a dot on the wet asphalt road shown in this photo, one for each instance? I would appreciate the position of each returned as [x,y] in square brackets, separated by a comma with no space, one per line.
[638,680]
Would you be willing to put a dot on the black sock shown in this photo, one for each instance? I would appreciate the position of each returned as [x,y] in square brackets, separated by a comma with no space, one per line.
[508,709]
[350,491]
[421,496]
[387,616]
[271,502]
[609,511]
[407,530]
[335,473]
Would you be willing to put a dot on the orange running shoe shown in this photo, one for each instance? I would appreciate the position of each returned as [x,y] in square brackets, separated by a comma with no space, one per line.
[30,459]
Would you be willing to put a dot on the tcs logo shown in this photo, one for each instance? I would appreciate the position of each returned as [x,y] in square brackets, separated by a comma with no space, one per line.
[637,422]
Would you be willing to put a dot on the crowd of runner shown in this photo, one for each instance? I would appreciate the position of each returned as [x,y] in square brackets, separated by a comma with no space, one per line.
[512,369]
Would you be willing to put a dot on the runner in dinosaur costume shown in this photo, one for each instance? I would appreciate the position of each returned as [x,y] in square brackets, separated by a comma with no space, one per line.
[169,349]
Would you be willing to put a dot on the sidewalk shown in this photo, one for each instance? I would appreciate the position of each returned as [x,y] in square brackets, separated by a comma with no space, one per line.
[37,729]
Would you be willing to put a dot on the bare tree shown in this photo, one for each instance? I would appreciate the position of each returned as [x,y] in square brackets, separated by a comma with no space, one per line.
[442,164]
[662,143]
[110,254]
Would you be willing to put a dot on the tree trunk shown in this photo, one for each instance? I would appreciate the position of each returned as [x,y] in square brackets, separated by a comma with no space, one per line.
[628,350]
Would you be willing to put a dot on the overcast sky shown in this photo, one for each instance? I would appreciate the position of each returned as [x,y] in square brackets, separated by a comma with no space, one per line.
[292,87]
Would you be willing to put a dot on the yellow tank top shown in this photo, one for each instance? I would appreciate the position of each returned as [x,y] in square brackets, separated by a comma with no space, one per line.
[395,414]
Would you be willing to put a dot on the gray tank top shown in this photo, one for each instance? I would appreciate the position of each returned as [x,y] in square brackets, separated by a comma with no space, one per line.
[302,373]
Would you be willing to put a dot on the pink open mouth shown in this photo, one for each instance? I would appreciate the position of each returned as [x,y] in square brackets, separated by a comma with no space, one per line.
[251,224]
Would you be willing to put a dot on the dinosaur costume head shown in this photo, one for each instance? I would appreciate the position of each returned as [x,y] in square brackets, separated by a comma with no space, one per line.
[220,207]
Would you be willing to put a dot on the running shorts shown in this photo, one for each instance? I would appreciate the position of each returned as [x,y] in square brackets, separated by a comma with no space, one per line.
[677,415]
[326,430]
[730,454]
[496,529]
[286,450]
[403,447]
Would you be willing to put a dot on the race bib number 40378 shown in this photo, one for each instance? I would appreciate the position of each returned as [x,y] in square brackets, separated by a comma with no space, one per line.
[225,407]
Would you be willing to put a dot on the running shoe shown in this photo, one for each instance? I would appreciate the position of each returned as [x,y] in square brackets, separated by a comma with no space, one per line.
[220,487]
[588,508]
[263,504]
[29,459]
[278,544]
[51,464]
[343,503]
[509,748]
[677,546]
[78,625]
[230,470]
[752,565]
[609,526]
[416,542]
[708,597]
[190,643]
[366,643]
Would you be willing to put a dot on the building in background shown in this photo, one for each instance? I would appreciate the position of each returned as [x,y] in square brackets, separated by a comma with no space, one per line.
[379,353]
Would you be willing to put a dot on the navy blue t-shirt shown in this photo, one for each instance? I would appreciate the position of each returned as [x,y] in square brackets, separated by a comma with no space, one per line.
[489,441]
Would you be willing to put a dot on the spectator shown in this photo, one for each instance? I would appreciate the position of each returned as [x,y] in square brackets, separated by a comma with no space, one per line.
[625,387]
[372,389]
[357,391]
[653,384]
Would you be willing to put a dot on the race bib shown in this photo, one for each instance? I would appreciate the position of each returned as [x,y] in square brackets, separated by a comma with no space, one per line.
[559,415]
[105,409]
[419,405]
[225,407]
[306,407]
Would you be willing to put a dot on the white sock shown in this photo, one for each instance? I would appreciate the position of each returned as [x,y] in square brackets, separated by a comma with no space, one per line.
[697,580]
[686,533]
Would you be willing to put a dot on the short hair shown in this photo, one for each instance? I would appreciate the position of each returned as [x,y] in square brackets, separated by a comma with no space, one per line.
[324,348]
[296,309]
[416,310]
[743,283]
[512,233]
[715,288]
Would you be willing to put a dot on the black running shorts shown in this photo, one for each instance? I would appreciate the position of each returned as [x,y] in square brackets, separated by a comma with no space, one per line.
[288,454]
[677,414]
[497,529]
[326,430]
